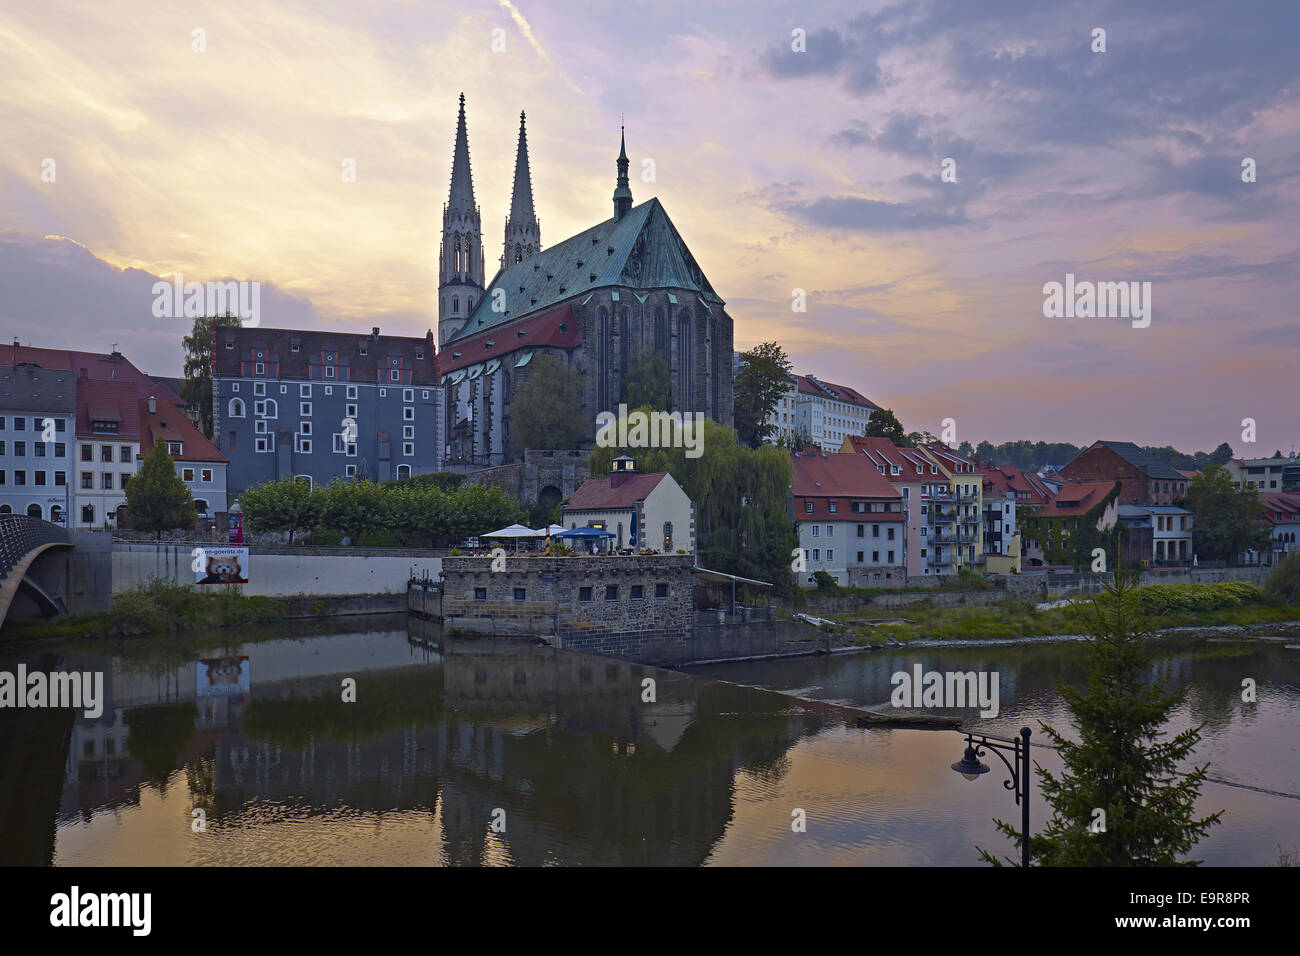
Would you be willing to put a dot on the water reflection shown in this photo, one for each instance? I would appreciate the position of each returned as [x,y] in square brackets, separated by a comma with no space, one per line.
[438,742]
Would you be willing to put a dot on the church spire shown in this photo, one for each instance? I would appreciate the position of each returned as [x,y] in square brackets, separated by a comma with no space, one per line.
[523,233]
[622,193]
[460,260]
[462,182]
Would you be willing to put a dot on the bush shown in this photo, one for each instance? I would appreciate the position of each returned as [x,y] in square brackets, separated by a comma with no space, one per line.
[1155,599]
[1283,584]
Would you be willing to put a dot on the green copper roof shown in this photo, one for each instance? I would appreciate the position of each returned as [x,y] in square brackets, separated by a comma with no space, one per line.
[643,250]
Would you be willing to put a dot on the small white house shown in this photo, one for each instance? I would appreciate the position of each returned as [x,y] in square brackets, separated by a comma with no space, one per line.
[642,511]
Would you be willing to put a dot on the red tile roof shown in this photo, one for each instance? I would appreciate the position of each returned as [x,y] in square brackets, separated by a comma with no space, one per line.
[169,424]
[556,328]
[108,401]
[840,476]
[600,494]
[883,452]
[1280,508]
[810,385]
[44,358]
[1077,498]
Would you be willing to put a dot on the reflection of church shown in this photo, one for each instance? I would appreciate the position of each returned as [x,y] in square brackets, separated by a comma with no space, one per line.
[597,301]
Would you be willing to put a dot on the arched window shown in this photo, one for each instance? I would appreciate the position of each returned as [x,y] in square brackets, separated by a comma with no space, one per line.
[528,252]
[34,511]
[602,340]
[403,471]
[685,360]
[6,510]
[455,304]
[56,514]
[200,506]
[87,514]
[270,408]
[465,267]
[519,253]
[661,333]
[455,255]
[622,339]
[236,408]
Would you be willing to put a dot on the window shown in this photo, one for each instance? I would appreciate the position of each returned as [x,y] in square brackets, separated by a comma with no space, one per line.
[259,368]
[2,423]
[350,411]
[584,594]
[425,393]
[304,445]
[262,444]
[329,389]
[638,592]
[20,448]
[106,453]
[862,530]
[521,594]
[403,471]
[923,531]
[834,506]
[830,555]
[875,531]
[60,449]
[175,448]
[106,481]
[891,534]
[205,475]
[350,470]
[329,371]
[87,480]
[304,391]
[611,592]
[38,447]
[236,408]
[408,431]
[830,531]
[408,395]
[125,477]
[408,449]
[60,478]
[20,424]
[352,392]
[816,554]
[661,590]
[408,414]
[816,531]
[859,557]
[187,474]
[891,557]
[259,427]
[2,447]
[807,507]
[40,477]
[480,594]
[394,376]
[20,477]
[259,388]
[304,428]
[875,557]
[304,409]
[383,393]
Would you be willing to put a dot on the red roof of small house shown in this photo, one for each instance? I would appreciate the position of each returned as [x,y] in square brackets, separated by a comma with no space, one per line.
[1027,486]
[602,494]
[556,328]
[168,423]
[1077,498]
[108,401]
[842,479]
[1280,508]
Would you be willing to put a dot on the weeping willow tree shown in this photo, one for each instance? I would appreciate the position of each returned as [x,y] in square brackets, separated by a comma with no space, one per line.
[739,494]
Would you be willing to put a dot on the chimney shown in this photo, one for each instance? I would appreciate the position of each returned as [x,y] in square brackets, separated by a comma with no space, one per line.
[153,405]
[374,332]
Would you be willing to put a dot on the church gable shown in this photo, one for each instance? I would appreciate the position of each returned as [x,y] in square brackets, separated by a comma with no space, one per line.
[659,259]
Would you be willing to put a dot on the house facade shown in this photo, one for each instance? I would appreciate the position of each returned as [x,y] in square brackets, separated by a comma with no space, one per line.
[37,414]
[643,512]
[1159,536]
[960,511]
[323,405]
[1144,480]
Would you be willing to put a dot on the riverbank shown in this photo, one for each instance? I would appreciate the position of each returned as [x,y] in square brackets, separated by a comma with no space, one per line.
[161,608]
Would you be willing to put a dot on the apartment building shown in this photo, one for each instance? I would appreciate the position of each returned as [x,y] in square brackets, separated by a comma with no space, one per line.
[1266,474]
[37,409]
[960,512]
[822,412]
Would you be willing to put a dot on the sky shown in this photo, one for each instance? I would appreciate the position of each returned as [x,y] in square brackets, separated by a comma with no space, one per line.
[816,169]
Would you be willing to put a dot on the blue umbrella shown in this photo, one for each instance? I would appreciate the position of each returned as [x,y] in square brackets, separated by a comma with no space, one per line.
[585,533]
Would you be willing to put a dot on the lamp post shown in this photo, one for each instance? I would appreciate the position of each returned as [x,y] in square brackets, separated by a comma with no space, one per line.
[971,768]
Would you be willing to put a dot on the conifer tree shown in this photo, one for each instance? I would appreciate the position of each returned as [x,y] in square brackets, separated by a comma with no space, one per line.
[1122,761]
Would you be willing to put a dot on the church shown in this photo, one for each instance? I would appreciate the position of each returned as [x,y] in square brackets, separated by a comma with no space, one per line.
[597,301]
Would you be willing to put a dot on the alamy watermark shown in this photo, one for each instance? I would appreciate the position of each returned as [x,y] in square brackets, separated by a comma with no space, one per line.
[947,689]
[75,689]
[192,300]
[1102,300]
[640,429]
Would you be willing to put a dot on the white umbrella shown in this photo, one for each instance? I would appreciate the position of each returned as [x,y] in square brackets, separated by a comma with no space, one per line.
[514,531]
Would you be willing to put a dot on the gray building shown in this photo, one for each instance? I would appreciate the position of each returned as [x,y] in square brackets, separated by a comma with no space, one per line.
[324,405]
[35,458]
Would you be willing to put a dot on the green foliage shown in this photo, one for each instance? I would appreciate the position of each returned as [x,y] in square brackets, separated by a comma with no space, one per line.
[1118,759]
[763,377]
[826,583]
[1164,599]
[160,606]
[648,383]
[197,388]
[885,424]
[1073,539]
[156,498]
[284,506]
[740,500]
[1229,520]
[444,480]
[547,409]
[1283,584]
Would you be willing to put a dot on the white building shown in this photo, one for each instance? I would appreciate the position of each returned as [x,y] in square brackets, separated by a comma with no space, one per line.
[824,412]
[642,511]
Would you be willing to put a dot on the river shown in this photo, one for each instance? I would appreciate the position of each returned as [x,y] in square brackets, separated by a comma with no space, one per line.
[213,750]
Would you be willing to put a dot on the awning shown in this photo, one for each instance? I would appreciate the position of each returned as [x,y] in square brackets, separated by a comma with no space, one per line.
[722,576]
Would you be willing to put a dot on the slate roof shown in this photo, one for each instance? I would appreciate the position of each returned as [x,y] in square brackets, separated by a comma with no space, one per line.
[555,329]
[1138,458]
[25,389]
[418,354]
[811,385]
[599,494]
[643,250]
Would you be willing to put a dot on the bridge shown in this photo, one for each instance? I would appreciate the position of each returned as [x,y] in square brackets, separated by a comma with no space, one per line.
[24,541]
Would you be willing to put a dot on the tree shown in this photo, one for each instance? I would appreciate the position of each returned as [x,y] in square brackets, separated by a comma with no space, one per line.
[1118,762]
[547,409]
[648,383]
[1228,519]
[763,377]
[917,439]
[965,450]
[291,506]
[156,498]
[884,424]
[197,388]
[354,508]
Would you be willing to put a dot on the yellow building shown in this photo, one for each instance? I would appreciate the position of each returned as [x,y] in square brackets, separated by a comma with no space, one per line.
[964,503]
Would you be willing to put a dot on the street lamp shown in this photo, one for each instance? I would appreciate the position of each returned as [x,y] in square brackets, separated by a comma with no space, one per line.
[970,767]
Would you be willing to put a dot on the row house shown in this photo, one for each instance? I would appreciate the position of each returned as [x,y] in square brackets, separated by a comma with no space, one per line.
[960,511]
[198,462]
[1143,480]
[37,409]
[108,450]
[323,405]
[1057,521]
[850,521]
[930,537]
[822,412]
[1158,535]
[1282,515]
[1001,538]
